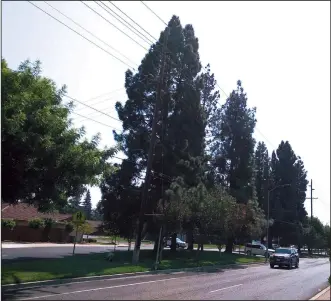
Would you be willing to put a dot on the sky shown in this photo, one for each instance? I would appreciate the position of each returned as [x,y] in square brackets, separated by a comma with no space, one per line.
[279,50]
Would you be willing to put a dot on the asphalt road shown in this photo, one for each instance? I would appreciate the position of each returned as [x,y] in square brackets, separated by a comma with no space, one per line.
[242,283]
[61,251]
[56,251]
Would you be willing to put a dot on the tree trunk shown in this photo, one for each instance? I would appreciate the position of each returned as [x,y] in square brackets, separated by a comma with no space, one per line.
[270,242]
[229,245]
[173,247]
[190,242]
[129,244]
[164,232]
[156,244]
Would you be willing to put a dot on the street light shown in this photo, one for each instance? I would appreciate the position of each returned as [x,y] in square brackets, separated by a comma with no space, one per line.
[270,190]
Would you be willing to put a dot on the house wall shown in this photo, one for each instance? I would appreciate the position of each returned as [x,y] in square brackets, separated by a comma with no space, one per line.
[22,232]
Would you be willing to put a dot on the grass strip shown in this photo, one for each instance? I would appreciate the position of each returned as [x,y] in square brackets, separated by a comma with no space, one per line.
[81,265]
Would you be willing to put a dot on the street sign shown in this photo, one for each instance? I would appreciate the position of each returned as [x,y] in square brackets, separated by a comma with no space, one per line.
[78,218]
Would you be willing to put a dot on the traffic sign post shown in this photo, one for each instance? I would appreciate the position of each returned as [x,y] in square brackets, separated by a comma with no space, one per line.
[78,219]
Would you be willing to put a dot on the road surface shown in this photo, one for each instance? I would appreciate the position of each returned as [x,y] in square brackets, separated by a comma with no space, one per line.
[57,251]
[243,283]
[30,251]
[33,252]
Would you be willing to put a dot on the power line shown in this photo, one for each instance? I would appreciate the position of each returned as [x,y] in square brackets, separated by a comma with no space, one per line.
[132,20]
[96,114]
[96,121]
[115,26]
[154,13]
[98,102]
[154,38]
[111,92]
[92,108]
[127,24]
[91,33]
[115,57]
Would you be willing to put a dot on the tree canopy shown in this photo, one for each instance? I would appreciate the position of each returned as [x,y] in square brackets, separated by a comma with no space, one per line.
[45,159]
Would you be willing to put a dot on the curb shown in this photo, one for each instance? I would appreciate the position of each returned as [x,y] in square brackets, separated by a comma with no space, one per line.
[320,293]
[34,284]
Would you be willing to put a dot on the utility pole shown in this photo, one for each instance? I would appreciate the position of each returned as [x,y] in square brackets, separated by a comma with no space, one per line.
[311,199]
[136,251]
[311,209]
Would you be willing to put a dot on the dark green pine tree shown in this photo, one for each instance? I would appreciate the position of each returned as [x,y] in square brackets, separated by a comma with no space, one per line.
[120,201]
[87,205]
[262,174]
[179,148]
[233,148]
[209,97]
[287,203]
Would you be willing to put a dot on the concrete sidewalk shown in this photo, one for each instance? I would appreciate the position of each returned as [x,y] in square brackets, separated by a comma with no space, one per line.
[323,295]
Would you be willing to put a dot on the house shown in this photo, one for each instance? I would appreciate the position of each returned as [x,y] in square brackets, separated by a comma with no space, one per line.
[22,213]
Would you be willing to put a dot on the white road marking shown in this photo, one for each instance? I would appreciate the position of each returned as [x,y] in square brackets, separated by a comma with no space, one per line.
[225,288]
[98,289]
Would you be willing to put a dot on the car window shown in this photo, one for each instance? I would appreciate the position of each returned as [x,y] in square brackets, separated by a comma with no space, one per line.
[283,251]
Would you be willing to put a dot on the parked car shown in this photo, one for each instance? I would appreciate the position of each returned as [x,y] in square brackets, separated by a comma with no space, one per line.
[257,249]
[179,243]
[285,257]
[275,246]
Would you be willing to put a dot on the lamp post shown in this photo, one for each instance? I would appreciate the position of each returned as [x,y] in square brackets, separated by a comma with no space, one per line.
[270,190]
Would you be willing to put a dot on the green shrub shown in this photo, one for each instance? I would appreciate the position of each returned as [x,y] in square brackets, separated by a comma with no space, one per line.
[8,223]
[36,223]
[48,222]
[69,227]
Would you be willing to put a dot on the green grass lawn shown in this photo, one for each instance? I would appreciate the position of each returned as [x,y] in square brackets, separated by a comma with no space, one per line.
[96,264]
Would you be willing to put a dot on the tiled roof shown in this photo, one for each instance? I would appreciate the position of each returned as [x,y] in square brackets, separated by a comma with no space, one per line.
[25,212]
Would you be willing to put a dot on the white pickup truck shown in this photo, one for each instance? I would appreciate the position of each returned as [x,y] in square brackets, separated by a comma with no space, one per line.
[257,249]
[179,243]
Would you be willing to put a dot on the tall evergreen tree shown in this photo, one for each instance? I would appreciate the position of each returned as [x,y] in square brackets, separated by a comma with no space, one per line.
[262,170]
[287,203]
[181,126]
[87,205]
[233,149]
